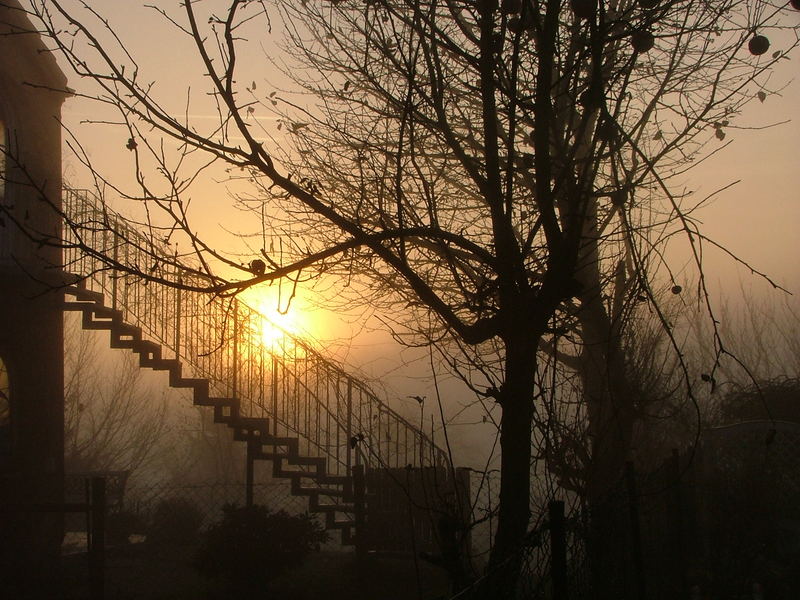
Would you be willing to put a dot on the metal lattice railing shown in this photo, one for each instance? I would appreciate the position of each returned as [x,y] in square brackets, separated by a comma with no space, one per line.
[218,338]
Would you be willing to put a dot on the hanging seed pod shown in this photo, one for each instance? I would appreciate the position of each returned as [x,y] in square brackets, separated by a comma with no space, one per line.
[642,41]
[758,45]
[591,99]
[607,131]
[676,289]
[584,9]
[616,25]
[257,266]
[515,25]
[529,22]
[511,7]
[618,198]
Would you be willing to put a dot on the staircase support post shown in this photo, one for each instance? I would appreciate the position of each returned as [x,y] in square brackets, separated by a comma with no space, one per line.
[114,277]
[349,435]
[248,489]
[178,310]
[274,395]
[359,502]
[636,536]
[97,534]
[235,377]
[558,550]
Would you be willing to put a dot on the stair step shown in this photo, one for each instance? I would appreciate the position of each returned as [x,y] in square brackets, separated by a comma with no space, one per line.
[331,508]
[87,322]
[314,504]
[106,313]
[246,434]
[173,365]
[261,455]
[259,423]
[248,428]
[283,451]
[123,330]
[81,293]
[75,306]
[148,352]
[334,480]
[319,479]
[286,442]
[123,343]
[315,491]
[279,471]
[200,385]
[332,523]
[213,401]
[227,413]
[314,461]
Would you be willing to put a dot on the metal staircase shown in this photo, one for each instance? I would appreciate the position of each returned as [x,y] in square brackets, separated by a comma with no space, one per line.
[316,424]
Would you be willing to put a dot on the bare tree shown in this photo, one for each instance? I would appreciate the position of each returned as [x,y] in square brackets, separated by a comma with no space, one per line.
[506,177]
[112,420]
[759,377]
[202,452]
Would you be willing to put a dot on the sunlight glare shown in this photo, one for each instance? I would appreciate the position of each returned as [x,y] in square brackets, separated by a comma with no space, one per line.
[278,320]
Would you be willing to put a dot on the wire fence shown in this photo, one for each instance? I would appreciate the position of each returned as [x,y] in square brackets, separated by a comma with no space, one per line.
[719,521]
[174,513]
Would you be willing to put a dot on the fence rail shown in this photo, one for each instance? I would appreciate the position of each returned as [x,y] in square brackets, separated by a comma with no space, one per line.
[219,338]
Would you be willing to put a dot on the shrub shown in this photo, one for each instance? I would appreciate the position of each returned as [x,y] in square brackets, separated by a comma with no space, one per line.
[251,546]
[175,522]
[121,524]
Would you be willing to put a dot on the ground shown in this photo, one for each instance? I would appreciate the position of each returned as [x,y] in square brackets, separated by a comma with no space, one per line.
[134,573]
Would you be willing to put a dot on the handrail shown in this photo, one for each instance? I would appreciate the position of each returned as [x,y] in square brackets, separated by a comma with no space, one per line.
[217,338]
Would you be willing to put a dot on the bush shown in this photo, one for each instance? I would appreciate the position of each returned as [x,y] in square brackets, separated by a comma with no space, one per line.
[121,524]
[174,522]
[249,547]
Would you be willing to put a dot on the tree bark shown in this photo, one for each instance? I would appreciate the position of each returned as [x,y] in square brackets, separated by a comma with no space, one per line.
[516,399]
[611,415]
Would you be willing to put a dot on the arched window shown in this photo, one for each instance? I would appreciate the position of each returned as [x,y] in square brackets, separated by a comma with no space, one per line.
[5,410]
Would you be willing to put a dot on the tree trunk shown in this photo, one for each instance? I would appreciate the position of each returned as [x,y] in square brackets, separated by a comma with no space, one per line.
[611,415]
[516,399]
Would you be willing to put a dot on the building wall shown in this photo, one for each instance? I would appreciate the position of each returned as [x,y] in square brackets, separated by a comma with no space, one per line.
[31,322]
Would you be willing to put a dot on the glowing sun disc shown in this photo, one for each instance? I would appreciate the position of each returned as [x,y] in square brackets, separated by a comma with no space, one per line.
[276,326]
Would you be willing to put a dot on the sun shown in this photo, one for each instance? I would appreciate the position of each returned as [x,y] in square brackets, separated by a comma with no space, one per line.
[275,326]
[280,320]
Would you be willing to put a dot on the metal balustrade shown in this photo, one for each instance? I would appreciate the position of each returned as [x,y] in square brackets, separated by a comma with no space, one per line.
[304,395]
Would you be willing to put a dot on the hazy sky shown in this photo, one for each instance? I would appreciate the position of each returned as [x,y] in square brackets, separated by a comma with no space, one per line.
[758,219]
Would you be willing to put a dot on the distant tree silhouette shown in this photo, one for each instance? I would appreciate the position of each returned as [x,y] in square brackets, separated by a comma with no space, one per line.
[503,177]
[112,420]
[777,399]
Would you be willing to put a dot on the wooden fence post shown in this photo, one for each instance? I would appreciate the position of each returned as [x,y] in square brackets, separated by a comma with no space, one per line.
[678,525]
[636,537]
[97,538]
[558,550]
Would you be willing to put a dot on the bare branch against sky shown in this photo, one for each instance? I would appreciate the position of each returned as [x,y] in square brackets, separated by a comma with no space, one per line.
[503,180]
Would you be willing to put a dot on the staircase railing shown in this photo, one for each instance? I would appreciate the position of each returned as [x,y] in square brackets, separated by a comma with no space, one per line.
[218,338]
